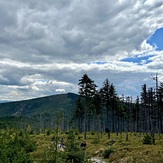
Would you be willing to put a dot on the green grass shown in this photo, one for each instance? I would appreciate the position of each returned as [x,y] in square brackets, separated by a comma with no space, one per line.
[132,150]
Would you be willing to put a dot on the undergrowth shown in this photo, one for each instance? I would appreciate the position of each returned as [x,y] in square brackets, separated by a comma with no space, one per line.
[116,149]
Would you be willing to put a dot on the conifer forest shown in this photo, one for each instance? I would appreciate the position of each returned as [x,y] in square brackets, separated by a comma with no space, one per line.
[102,108]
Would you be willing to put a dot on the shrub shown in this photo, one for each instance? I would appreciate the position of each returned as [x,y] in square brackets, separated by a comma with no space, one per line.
[15,148]
[147,139]
[107,152]
[92,133]
[48,132]
[96,141]
[75,156]
[73,152]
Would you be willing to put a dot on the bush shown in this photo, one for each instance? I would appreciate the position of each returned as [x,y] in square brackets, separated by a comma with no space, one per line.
[48,132]
[15,148]
[147,139]
[107,152]
[75,156]
[92,133]
[96,141]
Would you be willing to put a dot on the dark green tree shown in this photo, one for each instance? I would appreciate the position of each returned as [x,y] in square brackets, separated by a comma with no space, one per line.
[79,113]
[113,104]
[109,98]
[160,106]
[97,102]
[136,115]
[73,152]
[144,109]
[87,90]
[105,94]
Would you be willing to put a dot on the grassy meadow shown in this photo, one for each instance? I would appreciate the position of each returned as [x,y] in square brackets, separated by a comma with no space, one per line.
[115,150]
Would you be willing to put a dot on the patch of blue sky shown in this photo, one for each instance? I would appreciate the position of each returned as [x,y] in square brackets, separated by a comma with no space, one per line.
[98,62]
[43,80]
[139,60]
[157,39]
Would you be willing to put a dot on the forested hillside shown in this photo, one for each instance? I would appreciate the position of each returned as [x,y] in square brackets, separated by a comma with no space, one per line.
[48,105]
[39,113]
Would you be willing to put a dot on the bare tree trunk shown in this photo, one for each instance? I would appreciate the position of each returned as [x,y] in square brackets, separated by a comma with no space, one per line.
[85,119]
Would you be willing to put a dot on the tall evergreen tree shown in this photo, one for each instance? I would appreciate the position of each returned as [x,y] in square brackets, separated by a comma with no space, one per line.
[144,109]
[109,97]
[113,101]
[106,99]
[160,106]
[79,113]
[87,90]
[97,102]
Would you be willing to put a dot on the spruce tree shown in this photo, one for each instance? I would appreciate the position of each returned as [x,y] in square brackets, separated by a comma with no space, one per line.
[87,90]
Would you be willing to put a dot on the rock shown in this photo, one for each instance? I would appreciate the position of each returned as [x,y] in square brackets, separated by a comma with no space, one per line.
[97,160]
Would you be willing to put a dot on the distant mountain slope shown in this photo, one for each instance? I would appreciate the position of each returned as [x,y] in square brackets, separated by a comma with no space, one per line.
[38,106]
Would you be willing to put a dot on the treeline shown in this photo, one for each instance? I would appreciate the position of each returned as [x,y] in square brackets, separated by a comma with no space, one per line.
[102,109]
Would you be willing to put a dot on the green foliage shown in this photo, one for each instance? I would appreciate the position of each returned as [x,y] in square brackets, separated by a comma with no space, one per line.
[131,151]
[75,156]
[15,148]
[71,144]
[52,155]
[147,139]
[110,142]
[38,106]
[92,133]
[48,132]
[29,129]
[96,141]
[73,152]
[107,152]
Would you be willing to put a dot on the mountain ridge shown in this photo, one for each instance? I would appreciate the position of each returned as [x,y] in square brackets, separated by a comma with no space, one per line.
[31,107]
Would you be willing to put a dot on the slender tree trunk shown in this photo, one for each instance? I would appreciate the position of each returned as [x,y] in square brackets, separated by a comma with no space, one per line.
[113,130]
[117,128]
[85,119]
[107,117]
[99,126]
[127,126]
[152,126]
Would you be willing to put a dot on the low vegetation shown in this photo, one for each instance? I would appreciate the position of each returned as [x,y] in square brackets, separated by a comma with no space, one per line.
[21,146]
[114,150]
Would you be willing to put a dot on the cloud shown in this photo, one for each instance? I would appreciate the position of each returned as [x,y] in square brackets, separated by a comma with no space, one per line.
[46,46]
[60,90]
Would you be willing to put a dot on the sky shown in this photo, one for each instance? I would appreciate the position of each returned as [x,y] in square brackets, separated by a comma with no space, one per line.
[47,46]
